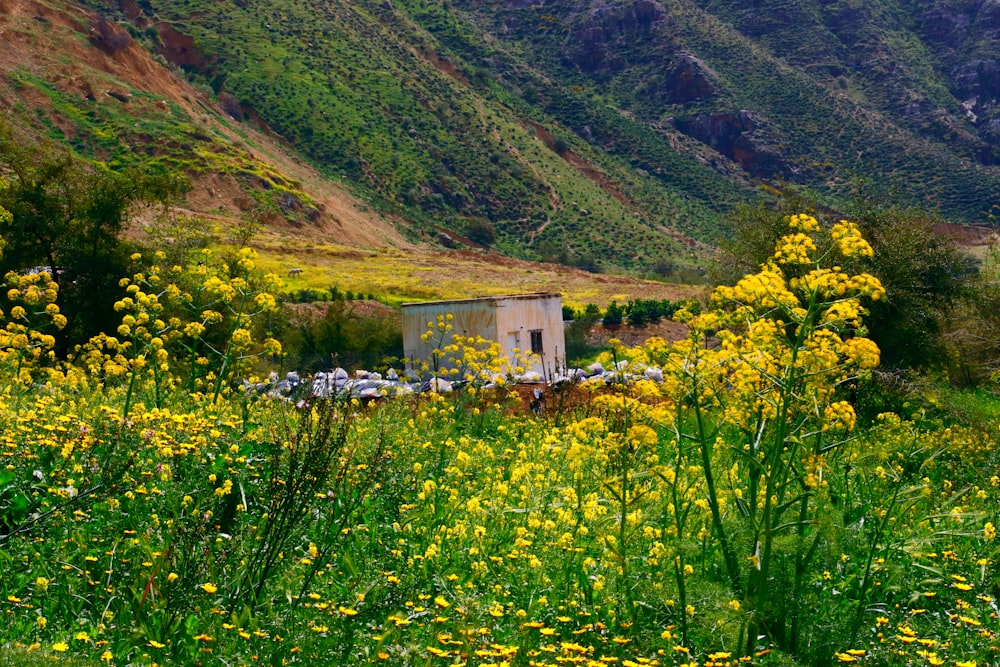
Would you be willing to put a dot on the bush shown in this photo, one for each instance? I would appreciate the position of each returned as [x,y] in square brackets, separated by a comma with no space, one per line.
[554,253]
[338,337]
[69,218]
[481,231]
[588,263]
[641,311]
[613,315]
[925,274]
[577,346]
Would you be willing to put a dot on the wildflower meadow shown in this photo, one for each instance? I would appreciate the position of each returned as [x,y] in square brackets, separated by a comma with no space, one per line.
[738,511]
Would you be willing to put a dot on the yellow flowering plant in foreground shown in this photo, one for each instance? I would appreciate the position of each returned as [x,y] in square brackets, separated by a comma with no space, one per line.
[199,321]
[730,511]
[25,341]
[754,410]
[788,338]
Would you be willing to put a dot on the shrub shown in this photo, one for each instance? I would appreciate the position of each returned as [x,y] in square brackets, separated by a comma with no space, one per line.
[613,315]
[481,231]
[339,337]
[70,218]
[641,311]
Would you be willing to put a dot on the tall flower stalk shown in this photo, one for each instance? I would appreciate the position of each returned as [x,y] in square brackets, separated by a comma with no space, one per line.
[756,394]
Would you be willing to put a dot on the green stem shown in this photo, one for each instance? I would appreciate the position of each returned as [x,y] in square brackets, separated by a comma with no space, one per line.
[156,382]
[777,468]
[865,586]
[802,557]
[679,561]
[128,394]
[226,356]
[732,566]
[626,588]
[682,594]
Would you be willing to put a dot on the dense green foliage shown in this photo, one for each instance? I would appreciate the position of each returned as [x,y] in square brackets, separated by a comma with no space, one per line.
[69,219]
[338,337]
[815,93]
[575,136]
[613,315]
[933,287]
[732,512]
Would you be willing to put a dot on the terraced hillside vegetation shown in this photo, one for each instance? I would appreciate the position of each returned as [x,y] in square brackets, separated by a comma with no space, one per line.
[609,136]
[547,118]
[813,93]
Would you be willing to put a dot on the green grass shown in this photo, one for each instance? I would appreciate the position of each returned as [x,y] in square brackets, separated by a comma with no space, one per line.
[166,517]
[12,656]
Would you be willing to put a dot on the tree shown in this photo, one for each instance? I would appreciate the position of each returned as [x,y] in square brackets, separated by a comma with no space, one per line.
[68,217]
[637,312]
[925,275]
[481,231]
[613,315]
[312,342]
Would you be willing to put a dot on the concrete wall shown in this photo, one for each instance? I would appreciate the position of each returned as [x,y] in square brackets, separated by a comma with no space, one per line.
[508,320]
[518,316]
[471,317]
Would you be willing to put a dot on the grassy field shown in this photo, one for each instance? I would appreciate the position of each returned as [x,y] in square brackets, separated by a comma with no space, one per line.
[397,276]
[738,496]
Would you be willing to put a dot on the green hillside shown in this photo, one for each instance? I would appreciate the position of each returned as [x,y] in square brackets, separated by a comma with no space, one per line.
[815,93]
[608,135]
[374,99]
[434,105]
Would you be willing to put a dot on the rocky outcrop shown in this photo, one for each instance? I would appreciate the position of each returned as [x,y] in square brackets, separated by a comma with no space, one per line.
[688,79]
[181,50]
[109,37]
[977,79]
[965,38]
[741,136]
[600,41]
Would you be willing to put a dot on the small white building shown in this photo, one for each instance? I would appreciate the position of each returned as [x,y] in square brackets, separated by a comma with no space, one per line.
[531,323]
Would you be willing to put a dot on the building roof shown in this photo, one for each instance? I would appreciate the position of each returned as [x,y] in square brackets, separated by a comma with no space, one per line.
[523,297]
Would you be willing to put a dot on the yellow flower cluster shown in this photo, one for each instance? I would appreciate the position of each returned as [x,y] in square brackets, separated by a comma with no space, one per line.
[848,238]
[756,294]
[470,358]
[805,222]
[25,337]
[795,249]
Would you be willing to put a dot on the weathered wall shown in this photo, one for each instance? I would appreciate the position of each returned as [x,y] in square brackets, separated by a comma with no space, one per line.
[518,316]
[507,320]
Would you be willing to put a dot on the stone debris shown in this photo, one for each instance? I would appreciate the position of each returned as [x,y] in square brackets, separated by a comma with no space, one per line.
[369,386]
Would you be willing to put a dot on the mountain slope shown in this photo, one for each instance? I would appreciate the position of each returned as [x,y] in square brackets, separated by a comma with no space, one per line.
[814,93]
[86,85]
[697,97]
[363,91]
[610,133]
